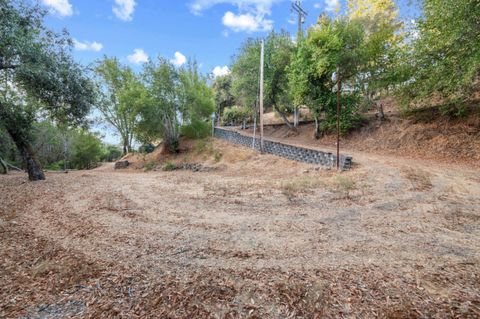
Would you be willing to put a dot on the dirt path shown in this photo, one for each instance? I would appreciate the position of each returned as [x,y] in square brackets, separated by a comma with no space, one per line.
[260,236]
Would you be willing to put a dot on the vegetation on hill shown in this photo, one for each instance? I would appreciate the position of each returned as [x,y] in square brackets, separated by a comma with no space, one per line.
[373,54]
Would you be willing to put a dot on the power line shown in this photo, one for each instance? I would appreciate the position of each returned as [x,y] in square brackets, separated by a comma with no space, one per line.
[302,15]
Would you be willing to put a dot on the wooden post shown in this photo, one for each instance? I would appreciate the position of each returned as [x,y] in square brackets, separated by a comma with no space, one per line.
[261,95]
[339,88]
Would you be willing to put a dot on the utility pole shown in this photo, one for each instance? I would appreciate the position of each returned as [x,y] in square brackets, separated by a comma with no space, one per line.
[302,15]
[261,94]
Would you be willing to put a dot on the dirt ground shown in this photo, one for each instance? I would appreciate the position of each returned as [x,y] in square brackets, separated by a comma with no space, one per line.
[256,236]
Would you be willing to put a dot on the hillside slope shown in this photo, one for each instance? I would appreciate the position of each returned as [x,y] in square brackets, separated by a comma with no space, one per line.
[425,136]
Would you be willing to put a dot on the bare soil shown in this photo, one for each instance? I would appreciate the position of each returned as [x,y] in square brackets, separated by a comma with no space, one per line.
[258,237]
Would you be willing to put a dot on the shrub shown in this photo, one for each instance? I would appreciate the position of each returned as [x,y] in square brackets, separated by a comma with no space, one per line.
[169,166]
[111,153]
[196,129]
[350,119]
[236,115]
[146,148]
[150,166]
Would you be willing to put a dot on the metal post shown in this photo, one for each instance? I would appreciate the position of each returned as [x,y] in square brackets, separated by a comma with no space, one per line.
[213,124]
[261,95]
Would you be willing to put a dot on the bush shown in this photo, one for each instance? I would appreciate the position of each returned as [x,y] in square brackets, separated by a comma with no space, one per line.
[350,119]
[150,166]
[111,153]
[87,150]
[169,166]
[57,166]
[236,115]
[147,148]
[196,129]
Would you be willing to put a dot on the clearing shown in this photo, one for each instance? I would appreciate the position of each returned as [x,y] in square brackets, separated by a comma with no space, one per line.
[258,237]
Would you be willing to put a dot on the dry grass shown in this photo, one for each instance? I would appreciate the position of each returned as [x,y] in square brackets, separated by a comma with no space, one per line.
[420,180]
[259,238]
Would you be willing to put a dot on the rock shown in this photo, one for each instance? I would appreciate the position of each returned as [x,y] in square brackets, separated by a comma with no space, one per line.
[122,164]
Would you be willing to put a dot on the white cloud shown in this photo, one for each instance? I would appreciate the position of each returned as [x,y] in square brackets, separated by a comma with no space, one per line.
[246,22]
[138,56]
[179,59]
[317,5]
[87,46]
[332,5]
[60,7]
[123,9]
[220,71]
[252,15]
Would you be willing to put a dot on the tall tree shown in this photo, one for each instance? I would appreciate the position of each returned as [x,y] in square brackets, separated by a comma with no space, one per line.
[442,62]
[196,101]
[222,88]
[39,75]
[246,72]
[381,45]
[121,92]
[160,110]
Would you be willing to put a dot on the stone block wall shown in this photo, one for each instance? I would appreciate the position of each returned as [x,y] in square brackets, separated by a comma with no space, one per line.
[290,152]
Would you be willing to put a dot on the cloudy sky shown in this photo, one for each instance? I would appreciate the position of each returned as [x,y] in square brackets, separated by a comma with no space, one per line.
[208,30]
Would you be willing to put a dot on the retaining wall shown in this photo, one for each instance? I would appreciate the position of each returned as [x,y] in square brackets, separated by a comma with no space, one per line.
[290,152]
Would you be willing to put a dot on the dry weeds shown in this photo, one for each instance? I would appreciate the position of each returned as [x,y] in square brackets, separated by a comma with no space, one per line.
[378,241]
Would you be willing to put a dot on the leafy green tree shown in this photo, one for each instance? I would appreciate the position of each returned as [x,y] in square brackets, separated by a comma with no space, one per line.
[86,150]
[223,95]
[122,91]
[441,66]
[111,153]
[331,46]
[382,39]
[197,102]
[160,109]
[307,86]
[246,72]
[38,76]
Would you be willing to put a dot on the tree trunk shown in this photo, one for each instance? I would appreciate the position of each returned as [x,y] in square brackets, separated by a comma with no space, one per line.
[296,117]
[317,134]
[284,118]
[35,172]
[381,115]
[4,165]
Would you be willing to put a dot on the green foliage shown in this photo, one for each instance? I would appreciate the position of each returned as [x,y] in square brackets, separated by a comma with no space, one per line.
[169,166]
[111,153]
[150,166]
[86,150]
[350,118]
[146,148]
[122,96]
[38,76]
[197,102]
[441,65]
[196,129]
[159,111]
[236,115]
[223,95]
[245,72]
[56,166]
[178,101]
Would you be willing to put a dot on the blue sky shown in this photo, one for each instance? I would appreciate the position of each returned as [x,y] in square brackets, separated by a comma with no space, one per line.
[208,30]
